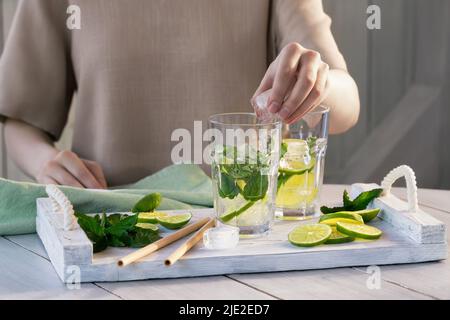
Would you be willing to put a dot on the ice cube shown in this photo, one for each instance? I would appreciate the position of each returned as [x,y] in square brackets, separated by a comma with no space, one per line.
[221,237]
[260,105]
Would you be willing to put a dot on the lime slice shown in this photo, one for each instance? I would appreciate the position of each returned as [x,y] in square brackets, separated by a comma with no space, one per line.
[147,226]
[175,222]
[343,216]
[150,217]
[292,162]
[309,235]
[297,190]
[337,237]
[358,230]
[228,216]
[368,214]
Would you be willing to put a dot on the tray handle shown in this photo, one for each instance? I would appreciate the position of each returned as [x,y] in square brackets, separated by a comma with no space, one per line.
[411,184]
[60,203]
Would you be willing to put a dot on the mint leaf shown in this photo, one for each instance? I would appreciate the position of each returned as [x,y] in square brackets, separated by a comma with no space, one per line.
[148,203]
[123,226]
[326,210]
[283,149]
[361,201]
[346,200]
[142,237]
[227,187]
[94,230]
[256,187]
[238,171]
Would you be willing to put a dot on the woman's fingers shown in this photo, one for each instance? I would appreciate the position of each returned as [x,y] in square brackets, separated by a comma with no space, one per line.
[55,173]
[298,78]
[48,180]
[309,67]
[97,171]
[315,96]
[266,82]
[285,76]
[75,166]
[66,168]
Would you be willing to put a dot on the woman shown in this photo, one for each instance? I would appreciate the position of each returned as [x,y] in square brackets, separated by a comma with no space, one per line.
[137,70]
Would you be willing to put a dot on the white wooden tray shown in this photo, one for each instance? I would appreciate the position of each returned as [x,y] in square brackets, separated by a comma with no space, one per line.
[408,238]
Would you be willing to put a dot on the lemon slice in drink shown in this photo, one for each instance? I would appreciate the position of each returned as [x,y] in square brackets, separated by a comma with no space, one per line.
[298,189]
[309,235]
[150,217]
[337,237]
[147,226]
[344,216]
[175,222]
[358,230]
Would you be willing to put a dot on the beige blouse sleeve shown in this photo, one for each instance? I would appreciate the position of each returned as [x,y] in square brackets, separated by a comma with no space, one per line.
[305,22]
[36,78]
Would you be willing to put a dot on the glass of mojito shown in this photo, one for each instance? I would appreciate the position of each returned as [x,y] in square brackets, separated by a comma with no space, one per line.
[300,172]
[245,156]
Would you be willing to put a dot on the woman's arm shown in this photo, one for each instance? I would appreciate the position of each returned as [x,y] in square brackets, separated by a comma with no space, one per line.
[33,151]
[309,69]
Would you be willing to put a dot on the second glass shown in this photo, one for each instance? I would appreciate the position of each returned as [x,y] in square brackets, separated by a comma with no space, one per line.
[245,158]
[301,166]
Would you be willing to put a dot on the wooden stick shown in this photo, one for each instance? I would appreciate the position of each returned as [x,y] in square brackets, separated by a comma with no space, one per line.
[192,241]
[145,251]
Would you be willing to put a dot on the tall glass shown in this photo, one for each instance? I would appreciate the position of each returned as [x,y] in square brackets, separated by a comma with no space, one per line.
[300,174]
[245,157]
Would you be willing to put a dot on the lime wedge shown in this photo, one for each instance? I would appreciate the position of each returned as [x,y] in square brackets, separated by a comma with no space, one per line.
[358,230]
[343,216]
[150,217]
[175,222]
[147,226]
[368,214]
[309,235]
[228,216]
[337,237]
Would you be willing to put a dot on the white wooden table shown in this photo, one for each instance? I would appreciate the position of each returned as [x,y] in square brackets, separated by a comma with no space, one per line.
[26,273]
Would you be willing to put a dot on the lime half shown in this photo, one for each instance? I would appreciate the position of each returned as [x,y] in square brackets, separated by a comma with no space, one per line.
[150,217]
[337,237]
[175,222]
[147,226]
[343,216]
[368,214]
[309,235]
[358,230]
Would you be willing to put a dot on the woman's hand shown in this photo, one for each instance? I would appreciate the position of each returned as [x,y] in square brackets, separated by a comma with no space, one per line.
[66,168]
[299,81]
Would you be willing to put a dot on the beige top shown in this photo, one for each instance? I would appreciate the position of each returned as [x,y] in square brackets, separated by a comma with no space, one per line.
[139,69]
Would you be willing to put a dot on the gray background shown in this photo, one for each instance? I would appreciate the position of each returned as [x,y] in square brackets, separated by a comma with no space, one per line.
[403,74]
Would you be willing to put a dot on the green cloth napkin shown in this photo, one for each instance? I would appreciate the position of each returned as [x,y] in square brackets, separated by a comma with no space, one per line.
[182,187]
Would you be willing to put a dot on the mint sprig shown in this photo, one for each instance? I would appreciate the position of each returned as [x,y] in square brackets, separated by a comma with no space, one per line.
[119,230]
[359,203]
